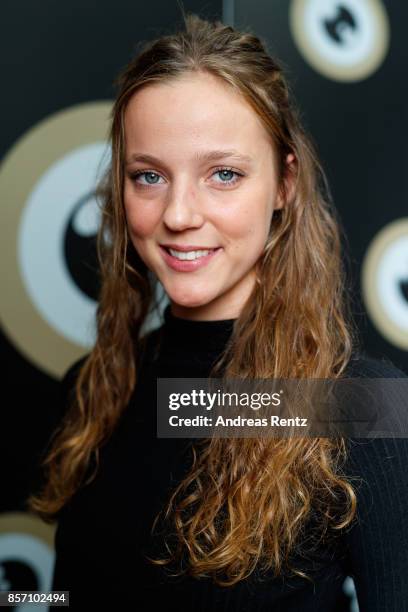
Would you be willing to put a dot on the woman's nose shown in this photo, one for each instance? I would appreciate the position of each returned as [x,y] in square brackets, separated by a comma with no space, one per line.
[183,208]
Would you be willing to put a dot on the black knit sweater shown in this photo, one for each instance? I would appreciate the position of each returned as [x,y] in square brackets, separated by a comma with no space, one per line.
[103,533]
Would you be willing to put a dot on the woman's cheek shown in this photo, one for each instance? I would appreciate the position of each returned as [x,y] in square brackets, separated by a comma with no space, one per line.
[142,220]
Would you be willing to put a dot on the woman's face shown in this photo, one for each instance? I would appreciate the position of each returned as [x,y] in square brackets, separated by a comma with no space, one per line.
[187,193]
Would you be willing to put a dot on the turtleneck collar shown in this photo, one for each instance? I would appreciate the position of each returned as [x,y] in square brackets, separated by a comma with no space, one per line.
[191,332]
[186,342]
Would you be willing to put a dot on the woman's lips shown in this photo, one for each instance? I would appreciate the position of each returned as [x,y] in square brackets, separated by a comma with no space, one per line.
[188,265]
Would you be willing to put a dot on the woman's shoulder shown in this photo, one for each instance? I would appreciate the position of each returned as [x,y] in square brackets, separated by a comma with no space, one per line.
[146,349]
[381,459]
[385,385]
[363,365]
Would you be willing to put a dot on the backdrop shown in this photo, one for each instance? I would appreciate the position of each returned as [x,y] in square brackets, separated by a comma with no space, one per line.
[345,62]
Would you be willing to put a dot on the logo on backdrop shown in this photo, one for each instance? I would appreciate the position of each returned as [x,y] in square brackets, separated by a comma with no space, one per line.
[26,555]
[48,225]
[385,282]
[344,40]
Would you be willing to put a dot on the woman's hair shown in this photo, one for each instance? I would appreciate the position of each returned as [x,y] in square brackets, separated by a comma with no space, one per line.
[246,501]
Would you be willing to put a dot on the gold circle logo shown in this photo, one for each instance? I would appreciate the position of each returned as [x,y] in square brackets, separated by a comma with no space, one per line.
[385,282]
[343,41]
[49,217]
[27,553]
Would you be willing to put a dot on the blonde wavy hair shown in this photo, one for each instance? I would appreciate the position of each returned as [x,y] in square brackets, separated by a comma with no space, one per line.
[245,501]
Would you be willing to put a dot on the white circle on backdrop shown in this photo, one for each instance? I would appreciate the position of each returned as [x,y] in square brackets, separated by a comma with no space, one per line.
[392,271]
[384,277]
[63,157]
[345,40]
[31,551]
[357,35]
[41,238]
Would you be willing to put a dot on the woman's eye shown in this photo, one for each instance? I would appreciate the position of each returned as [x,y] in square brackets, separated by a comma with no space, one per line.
[151,177]
[228,176]
[225,173]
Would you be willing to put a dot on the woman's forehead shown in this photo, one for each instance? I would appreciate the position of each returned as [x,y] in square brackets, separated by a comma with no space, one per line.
[193,115]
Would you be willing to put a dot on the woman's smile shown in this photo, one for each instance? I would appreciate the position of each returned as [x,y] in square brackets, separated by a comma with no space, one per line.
[188,261]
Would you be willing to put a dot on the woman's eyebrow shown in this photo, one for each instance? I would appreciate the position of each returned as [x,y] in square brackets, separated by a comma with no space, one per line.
[201,156]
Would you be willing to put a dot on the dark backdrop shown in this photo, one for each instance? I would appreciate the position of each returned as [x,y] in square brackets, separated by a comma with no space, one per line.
[56,56]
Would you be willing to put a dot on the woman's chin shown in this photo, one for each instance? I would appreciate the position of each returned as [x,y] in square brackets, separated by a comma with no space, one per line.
[189,303]
[188,300]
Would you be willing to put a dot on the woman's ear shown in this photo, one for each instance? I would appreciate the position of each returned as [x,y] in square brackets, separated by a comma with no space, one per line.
[289,178]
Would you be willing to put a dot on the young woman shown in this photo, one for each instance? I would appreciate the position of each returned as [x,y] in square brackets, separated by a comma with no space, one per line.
[215,191]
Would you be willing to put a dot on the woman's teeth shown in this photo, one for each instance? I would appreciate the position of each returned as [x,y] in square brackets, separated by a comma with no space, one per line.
[189,254]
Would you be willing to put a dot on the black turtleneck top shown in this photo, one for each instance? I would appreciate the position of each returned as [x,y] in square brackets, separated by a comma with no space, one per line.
[103,533]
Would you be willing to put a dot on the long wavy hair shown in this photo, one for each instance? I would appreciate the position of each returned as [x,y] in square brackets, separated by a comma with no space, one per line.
[245,501]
